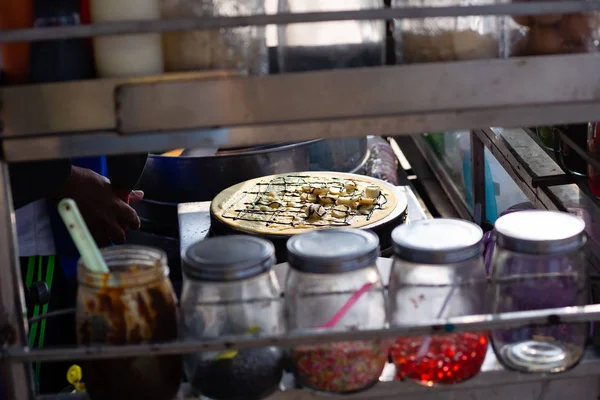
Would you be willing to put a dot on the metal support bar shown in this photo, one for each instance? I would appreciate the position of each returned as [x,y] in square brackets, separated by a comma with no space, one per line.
[518,170]
[478,177]
[551,180]
[13,325]
[202,23]
[587,157]
[471,323]
[457,200]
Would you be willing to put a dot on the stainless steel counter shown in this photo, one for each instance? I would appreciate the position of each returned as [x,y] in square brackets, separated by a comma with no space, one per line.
[493,383]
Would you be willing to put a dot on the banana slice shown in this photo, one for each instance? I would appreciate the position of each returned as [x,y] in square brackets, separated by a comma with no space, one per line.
[367,201]
[345,200]
[304,197]
[350,186]
[275,204]
[340,211]
[297,221]
[335,190]
[372,192]
[327,199]
[317,190]
[365,210]
[315,211]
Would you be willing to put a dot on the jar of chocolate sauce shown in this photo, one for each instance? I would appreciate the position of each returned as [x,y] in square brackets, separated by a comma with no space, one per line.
[133,304]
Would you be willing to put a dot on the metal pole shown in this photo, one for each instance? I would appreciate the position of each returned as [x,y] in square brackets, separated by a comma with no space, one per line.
[478,178]
[203,23]
[17,378]
[467,323]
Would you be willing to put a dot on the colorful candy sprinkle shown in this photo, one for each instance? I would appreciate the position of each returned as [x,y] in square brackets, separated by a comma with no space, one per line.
[340,367]
[449,359]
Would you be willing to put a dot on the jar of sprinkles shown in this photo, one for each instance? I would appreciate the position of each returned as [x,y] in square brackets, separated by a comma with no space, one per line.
[329,270]
[438,273]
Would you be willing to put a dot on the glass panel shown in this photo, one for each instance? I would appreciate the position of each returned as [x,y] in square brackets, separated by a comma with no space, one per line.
[453,150]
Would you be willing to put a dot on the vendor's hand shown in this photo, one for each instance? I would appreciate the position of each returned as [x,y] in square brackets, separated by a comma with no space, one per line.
[103,211]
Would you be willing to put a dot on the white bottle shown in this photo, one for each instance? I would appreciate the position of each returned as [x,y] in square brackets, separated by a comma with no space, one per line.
[127,55]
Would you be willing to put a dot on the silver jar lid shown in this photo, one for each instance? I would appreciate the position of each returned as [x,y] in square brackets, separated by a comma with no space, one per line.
[228,258]
[540,232]
[438,241]
[331,251]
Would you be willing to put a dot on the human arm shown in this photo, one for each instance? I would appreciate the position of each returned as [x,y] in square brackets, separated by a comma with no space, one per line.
[103,211]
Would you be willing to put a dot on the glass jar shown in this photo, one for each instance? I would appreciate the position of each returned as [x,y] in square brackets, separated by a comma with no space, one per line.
[126,55]
[539,263]
[550,34]
[133,304]
[229,288]
[243,49]
[438,273]
[448,38]
[333,44]
[328,269]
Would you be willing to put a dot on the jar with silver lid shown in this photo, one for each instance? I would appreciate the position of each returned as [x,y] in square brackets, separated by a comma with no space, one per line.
[539,263]
[329,270]
[229,288]
[438,273]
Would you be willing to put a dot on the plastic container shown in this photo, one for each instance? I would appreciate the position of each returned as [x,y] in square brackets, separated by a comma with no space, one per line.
[328,45]
[539,263]
[327,269]
[127,55]
[134,304]
[448,38]
[438,273]
[243,49]
[229,288]
[15,14]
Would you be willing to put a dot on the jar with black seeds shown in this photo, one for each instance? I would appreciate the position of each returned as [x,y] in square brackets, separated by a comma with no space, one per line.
[229,288]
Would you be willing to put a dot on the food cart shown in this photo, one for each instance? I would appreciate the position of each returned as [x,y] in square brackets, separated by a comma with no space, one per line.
[491,100]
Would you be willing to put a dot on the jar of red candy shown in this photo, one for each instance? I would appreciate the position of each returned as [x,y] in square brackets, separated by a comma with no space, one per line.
[333,270]
[438,273]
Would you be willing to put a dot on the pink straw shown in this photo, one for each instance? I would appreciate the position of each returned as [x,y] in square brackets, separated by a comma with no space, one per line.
[346,307]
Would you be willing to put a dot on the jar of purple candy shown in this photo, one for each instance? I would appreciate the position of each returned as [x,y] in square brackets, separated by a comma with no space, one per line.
[538,263]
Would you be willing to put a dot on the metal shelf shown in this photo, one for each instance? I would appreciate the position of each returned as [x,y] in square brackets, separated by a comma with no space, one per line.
[216,22]
[492,383]
[471,323]
[182,110]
